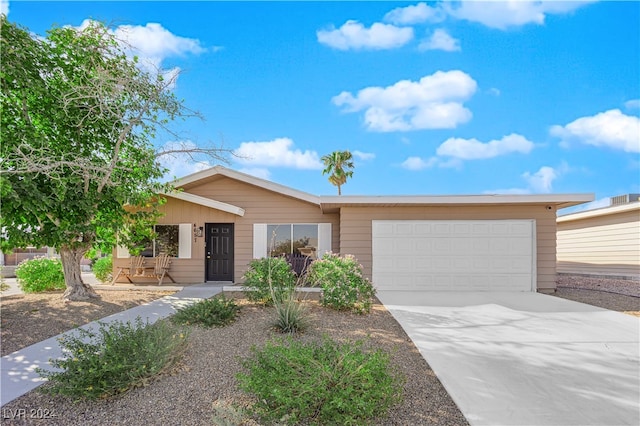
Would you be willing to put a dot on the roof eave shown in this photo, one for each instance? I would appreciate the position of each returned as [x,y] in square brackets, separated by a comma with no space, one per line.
[604,211]
[557,200]
[207,202]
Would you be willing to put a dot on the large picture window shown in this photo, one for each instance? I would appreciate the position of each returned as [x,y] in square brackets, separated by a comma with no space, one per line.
[292,238]
[309,239]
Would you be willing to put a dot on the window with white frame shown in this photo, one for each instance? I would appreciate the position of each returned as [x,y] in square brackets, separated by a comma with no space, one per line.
[310,239]
[174,240]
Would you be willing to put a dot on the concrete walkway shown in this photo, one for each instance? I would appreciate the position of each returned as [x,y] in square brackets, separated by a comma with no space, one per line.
[17,370]
[526,358]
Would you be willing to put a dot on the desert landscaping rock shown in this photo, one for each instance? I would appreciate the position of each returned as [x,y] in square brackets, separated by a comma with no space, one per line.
[205,379]
[207,375]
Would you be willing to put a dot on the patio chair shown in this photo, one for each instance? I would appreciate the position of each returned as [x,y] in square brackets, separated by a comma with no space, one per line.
[299,262]
[163,263]
[135,267]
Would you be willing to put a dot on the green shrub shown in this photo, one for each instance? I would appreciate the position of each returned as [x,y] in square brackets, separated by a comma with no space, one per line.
[218,311]
[113,359]
[320,383]
[40,274]
[103,268]
[291,315]
[268,277]
[343,285]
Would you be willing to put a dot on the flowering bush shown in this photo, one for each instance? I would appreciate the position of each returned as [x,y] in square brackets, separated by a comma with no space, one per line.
[40,274]
[268,278]
[343,285]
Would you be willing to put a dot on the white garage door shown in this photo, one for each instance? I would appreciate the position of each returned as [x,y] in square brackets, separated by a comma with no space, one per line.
[454,255]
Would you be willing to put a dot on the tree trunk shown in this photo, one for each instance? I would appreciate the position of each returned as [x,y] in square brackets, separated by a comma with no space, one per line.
[76,288]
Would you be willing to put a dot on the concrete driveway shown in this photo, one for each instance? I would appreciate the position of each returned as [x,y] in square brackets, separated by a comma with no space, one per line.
[526,358]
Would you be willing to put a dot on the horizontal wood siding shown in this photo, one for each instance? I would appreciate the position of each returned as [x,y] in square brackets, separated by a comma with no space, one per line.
[261,206]
[601,245]
[174,212]
[355,225]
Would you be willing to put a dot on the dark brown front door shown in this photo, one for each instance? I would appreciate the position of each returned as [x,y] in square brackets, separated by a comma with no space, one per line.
[219,251]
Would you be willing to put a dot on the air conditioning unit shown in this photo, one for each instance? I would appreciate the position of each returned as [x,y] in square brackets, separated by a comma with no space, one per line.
[624,199]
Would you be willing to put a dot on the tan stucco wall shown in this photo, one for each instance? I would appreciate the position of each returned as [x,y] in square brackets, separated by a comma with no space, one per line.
[260,205]
[355,225]
[606,244]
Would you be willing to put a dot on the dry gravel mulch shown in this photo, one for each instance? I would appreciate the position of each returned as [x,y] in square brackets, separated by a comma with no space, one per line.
[609,293]
[26,319]
[206,378]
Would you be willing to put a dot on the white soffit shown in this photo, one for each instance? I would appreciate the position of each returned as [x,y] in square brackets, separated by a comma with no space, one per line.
[207,202]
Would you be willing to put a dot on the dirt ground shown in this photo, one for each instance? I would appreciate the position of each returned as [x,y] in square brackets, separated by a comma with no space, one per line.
[26,319]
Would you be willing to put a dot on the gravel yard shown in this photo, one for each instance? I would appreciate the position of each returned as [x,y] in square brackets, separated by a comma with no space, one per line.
[207,376]
[609,293]
[205,382]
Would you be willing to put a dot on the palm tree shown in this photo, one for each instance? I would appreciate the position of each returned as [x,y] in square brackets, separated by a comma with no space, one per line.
[337,165]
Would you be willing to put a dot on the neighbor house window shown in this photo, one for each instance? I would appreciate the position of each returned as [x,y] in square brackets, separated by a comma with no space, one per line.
[174,240]
[310,239]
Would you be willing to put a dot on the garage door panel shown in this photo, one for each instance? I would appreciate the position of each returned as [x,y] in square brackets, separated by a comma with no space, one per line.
[403,230]
[483,255]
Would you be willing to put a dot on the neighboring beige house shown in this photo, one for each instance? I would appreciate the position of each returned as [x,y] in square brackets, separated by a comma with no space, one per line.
[604,241]
[222,219]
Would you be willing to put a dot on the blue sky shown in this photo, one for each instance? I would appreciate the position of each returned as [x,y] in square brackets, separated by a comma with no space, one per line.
[431,98]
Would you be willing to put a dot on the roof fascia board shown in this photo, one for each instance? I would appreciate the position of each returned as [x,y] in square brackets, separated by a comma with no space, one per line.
[207,202]
[560,200]
[604,211]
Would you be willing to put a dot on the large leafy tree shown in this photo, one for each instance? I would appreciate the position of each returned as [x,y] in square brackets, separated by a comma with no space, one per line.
[338,166]
[77,162]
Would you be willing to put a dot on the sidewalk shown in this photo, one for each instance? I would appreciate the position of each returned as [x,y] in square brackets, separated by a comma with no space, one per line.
[17,370]
[90,279]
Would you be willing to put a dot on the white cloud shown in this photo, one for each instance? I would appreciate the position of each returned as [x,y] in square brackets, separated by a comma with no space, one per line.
[632,104]
[513,13]
[433,102]
[494,92]
[257,172]
[153,44]
[180,164]
[611,129]
[353,35]
[4,7]
[538,182]
[417,163]
[473,149]
[542,180]
[415,14]
[277,153]
[364,156]
[440,40]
